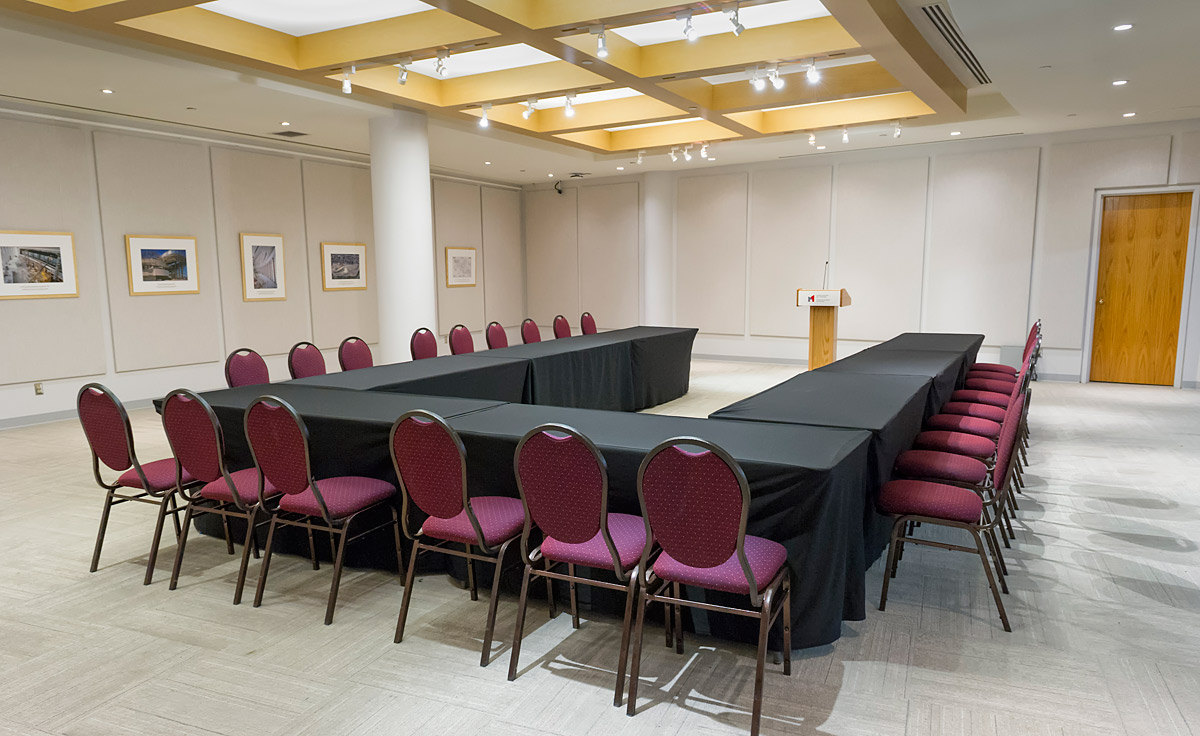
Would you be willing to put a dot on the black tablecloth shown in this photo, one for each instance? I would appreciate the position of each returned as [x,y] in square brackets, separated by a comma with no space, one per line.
[943,368]
[966,344]
[500,379]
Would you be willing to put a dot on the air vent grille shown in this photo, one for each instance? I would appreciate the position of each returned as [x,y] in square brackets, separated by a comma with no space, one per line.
[946,26]
[289,134]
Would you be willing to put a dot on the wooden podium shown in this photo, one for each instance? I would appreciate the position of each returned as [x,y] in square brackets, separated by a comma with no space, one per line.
[823,305]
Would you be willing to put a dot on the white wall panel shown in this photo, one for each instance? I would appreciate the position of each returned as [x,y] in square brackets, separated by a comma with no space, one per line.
[1189,158]
[710,253]
[458,223]
[981,244]
[789,242]
[504,272]
[609,254]
[879,246]
[552,254]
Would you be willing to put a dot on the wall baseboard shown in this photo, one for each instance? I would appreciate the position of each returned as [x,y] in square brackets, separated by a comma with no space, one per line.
[1059,377]
[30,420]
[750,359]
[1190,384]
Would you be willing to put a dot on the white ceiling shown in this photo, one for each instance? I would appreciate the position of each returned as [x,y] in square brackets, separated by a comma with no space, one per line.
[493,59]
[710,24]
[302,17]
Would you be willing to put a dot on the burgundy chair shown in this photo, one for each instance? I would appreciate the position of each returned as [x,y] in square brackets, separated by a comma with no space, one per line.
[354,353]
[563,481]
[530,332]
[431,463]
[423,344]
[198,443]
[244,367]
[496,336]
[695,505]
[461,340]
[305,360]
[1032,347]
[110,438]
[562,328]
[587,323]
[279,443]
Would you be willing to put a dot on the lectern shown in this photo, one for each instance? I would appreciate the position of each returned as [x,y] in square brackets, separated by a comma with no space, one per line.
[822,322]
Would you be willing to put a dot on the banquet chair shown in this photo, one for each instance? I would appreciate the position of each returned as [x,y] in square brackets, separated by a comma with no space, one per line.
[110,439]
[496,336]
[562,328]
[244,367]
[279,444]
[423,344]
[431,463]
[198,444]
[530,332]
[563,481]
[1032,349]
[587,323]
[305,360]
[461,340]
[695,505]
[354,353]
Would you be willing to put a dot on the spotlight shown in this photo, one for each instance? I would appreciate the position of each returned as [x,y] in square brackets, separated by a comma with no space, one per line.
[1128,114]
[601,43]
[896,132]
[285,123]
[845,135]
[1123,27]
[440,67]
[756,80]
[956,132]
[402,75]
[776,81]
[639,158]
[107,91]
[674,157]
[483,119]
[812,139]
[1120,82]
[347,87]
[687,153]
[569,107]
[813,74]
[703,150]
[528,111]
[733,11]
[689,31]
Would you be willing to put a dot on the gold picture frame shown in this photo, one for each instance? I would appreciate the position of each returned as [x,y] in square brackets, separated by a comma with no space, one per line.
[64,242]
[459,281]
[250,291]
[140,285]
[350,272]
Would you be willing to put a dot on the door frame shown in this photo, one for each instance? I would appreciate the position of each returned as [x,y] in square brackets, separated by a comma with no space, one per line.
[1089,317]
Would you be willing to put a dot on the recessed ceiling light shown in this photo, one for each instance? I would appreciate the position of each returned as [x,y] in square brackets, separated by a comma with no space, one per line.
[1120,82]
[487,163]
[550,175]
[106,91]
[285,123]
[820,148]
[1123,27]
[956,132]
[620,168]
[1129,114]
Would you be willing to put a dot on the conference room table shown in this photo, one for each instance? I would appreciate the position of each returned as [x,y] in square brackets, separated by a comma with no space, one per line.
[965,344]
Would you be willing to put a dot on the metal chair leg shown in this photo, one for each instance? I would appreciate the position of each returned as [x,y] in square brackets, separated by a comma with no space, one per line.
[890,570]
[337,570]
[108,504]
[250,539]
[471,576]
[158,527]
[175,514]
[574,596]
[760,663]
[519,631]
[266,564]
[678,591]
[396,532]
[494,601]
[312,550]
[623,657]
[187,523]
[987,569]
[995,552]
[408,586]
[787,623]
[550,589]
[224,528]
[636,663]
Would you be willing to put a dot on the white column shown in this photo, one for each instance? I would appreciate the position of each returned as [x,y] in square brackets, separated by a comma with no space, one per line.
[406,275]
[658,249]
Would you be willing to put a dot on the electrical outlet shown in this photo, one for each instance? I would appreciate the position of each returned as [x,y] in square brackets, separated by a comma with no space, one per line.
[37,389]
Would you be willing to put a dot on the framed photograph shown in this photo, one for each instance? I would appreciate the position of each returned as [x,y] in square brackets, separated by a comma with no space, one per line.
[263,279]
[343,266]
[37,265]
[460,267]
[162,264]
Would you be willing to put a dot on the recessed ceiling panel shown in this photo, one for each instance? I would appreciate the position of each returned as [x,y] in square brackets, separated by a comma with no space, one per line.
[469,63]
[302,17]
[710,24]
[794,68]
[583,98]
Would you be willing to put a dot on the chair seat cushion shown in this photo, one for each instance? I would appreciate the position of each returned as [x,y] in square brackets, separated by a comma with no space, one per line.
[959,423]
[961,443]
[991,376]
[765,558]
[245,482]
[937,500]
[969,409]
[160,474]
[930,464]
[982,384]
[501,518]
[995,368]
[981,397]
[343,496]
[628,535]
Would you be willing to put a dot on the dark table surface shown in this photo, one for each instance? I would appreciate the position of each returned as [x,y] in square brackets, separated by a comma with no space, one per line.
[965,344]
[943,368]
[499,379]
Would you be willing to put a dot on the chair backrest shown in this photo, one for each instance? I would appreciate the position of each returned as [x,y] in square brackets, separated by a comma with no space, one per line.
[1031,341]
[563,482]
[496,336]
[423,344]
[431,463]
[305,360]
[354,353]
[244,367]
[562,328]
[1007,444]
[279,444]
[530,332]
[106,426]
[587,323]
[461,340]
[194,435]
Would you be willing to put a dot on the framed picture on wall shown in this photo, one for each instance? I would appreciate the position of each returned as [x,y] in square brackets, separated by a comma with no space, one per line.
[263,277]
[343,266]
[162,264]
[460,267]
[37,265]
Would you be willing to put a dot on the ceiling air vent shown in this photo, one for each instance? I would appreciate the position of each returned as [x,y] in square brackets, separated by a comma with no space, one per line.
[940,17]
[289,134]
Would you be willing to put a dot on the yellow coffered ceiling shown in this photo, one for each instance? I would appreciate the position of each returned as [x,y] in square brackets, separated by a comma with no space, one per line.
[535,66]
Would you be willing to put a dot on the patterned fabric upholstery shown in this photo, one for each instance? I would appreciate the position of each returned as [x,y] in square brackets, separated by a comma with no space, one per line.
[499,517]
[941,466]
[306,360]
[937,500]
[999,387]
[277,440]
[959,423]
[496,336]
[354,353]
[105,428]
[968,409]
[193,436]
[343,496]
[971,445]
[563,486]
[587,323]
[244,367]
[423,344]
[245,482]
[765,558]
[1008,442]
[430,467]
[530,332]
[160,474]
[981,397]
[628,534]
[994,368]
[695,505]
[991,376]
[461,341]
[562,328]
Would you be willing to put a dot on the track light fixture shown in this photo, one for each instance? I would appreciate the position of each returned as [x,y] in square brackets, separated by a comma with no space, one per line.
[483,119]
[812,138]
[773,77]
[528,111]
[569,106]
[687,152]
[402,75]
[703,150]
[756,79]
[845,134]
[733,11]
[673,155]
[443,56]
[813,74]
[896,132]
[601,42]
[639,158]
[689,31]
[347,86]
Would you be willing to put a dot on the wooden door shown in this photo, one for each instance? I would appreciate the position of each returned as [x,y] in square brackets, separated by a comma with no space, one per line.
[1139,287]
